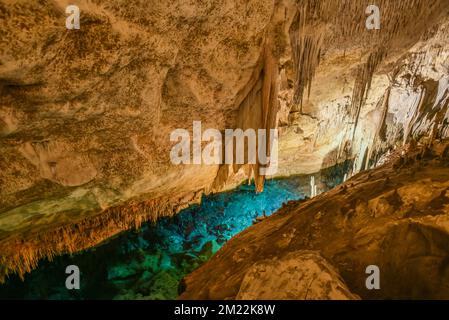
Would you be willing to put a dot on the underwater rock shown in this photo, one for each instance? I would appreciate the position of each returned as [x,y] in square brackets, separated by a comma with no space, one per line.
[165,261]
[163,286]
[124,271]
[160,286]
[221,240]
[152,262]
[209,249]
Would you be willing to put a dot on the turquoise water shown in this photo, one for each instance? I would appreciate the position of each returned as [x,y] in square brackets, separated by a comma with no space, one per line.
[150,262]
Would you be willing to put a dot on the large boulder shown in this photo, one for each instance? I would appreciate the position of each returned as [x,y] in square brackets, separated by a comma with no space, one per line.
[300,275]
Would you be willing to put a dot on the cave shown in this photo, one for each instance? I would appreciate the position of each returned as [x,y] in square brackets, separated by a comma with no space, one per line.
[224,150]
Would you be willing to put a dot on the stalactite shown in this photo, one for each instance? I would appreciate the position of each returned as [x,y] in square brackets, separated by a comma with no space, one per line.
[21,253]
[306,56]
[363,84]
[310,36]
[257,110]
[270,106]
[428,110]
[380,135]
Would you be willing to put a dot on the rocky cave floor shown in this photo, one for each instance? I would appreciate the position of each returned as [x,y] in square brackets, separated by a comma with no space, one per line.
[394,217]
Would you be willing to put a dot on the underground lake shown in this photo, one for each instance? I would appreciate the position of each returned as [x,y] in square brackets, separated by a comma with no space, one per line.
[150,262]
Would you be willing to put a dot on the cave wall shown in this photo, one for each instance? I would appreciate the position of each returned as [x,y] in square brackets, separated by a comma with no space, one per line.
[363,88]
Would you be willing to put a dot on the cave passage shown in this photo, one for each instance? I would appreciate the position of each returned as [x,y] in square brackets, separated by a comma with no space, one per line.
[149,263]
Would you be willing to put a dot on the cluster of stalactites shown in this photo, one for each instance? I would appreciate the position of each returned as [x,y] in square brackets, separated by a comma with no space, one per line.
[306,57]
[21,254]
[257,110]
[362,84]
[324,23]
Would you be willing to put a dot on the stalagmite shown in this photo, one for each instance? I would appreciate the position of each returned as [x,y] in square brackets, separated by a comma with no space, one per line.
[313,187]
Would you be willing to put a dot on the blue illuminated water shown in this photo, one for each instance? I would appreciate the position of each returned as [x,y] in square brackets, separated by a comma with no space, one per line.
[150,262]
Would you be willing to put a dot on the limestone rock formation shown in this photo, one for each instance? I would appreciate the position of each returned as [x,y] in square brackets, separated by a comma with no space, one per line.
[86,115]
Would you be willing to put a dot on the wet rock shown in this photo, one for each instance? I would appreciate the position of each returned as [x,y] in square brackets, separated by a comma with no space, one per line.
[124,271]
[151,262]
[165,262]
[209,249]
[183,259]
[221,240]
[221,227]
